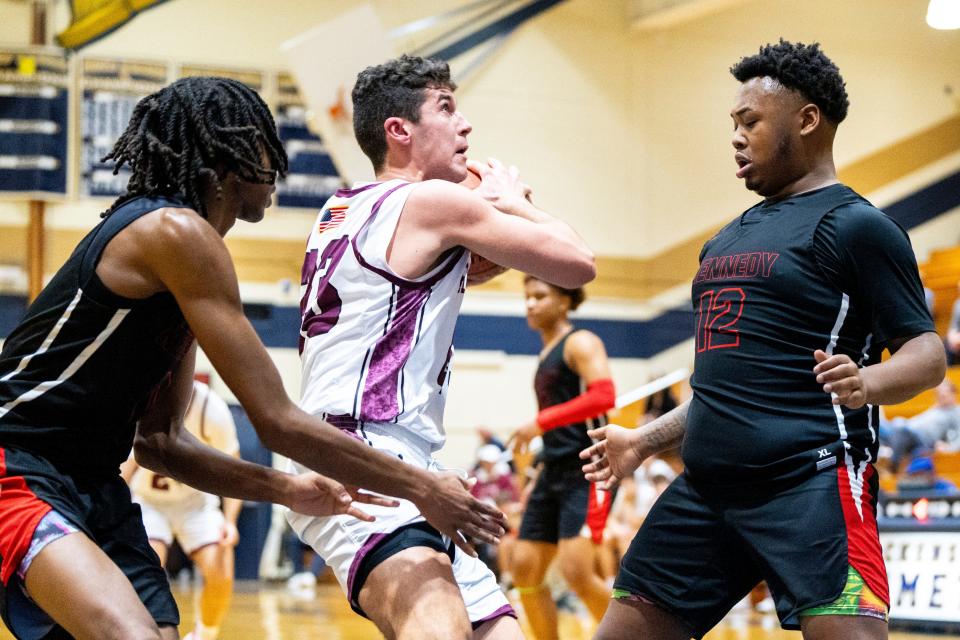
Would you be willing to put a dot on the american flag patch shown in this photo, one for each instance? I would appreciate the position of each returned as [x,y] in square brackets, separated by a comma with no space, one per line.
[332,218]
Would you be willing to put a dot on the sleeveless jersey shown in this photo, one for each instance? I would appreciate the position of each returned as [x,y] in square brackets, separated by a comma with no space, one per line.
[82,365]
[556,383]
[209,419]
[376,347]
[763,305]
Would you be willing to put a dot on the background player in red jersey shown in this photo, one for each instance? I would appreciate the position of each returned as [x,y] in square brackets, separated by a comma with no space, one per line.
[565,514]
[780,434]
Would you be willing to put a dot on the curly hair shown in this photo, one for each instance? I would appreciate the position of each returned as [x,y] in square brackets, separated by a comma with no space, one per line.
[803,68]
[575,296]
[182,134]
[393,89]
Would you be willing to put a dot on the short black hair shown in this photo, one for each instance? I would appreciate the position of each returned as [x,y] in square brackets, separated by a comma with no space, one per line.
[393,89]
[801,67]
[575,296]
[185,132]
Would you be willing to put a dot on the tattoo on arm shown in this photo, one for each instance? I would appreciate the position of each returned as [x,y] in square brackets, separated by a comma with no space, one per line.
[667,431]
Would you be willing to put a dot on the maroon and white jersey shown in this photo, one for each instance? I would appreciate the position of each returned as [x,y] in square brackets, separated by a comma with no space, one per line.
[374,346]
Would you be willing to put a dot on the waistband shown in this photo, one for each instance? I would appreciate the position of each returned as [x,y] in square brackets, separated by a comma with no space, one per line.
[385,436]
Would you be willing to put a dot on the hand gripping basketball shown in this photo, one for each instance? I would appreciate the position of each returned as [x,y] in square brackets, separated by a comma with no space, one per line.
[481,270]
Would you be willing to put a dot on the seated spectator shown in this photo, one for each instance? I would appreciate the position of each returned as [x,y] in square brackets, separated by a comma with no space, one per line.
[921,476]
[495,485]
[936,428]
[952,341]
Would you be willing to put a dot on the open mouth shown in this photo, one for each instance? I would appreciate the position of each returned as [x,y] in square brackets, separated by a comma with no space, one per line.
[743,163]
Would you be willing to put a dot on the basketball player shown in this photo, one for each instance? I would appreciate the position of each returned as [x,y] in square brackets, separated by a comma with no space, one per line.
[205,529]
[795,299]
[107,350]
[566,514]
[385,272]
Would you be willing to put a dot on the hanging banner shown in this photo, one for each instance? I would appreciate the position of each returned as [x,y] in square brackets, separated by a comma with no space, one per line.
[312,177]
[34,120]
[93,19]
[110,90]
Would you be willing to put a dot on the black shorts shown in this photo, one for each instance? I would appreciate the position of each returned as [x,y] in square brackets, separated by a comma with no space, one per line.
[563,504]
[702,549]
[29,488]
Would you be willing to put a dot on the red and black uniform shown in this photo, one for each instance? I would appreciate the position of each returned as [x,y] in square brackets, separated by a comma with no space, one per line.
[563,503]
[779,482]
[75,376]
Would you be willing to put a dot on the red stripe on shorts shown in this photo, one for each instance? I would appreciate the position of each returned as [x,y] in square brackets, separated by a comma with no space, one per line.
[863,539]
[598,508]
[20,513]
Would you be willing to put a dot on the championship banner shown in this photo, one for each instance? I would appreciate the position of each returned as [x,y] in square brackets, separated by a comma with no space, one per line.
[110,90]
[312,177]
[34,107]
[93,19]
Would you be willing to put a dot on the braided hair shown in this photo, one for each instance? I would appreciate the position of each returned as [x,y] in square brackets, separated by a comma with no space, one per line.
[181,135]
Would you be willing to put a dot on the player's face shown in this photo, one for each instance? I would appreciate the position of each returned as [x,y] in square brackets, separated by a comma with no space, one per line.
[256,197]
[440,138]
[765,136]
[545,305]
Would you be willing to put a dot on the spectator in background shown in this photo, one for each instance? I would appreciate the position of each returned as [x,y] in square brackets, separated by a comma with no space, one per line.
[922,476]
[937,427]
[659,403]
[953,334]
[495,485]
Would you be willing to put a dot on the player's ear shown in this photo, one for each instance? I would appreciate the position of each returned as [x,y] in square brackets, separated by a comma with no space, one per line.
[397,129]
[809,118]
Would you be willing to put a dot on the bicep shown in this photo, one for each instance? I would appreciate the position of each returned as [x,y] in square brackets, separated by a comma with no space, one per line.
[197,269]
[459,217]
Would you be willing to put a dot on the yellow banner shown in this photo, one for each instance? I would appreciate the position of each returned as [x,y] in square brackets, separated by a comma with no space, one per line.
[93,19]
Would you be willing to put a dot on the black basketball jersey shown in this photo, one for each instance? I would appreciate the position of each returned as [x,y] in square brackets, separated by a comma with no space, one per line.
[820,270]
[82,365]
[555,383]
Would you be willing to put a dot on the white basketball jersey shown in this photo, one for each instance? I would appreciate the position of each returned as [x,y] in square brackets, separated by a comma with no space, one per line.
[209,419]
[376,347]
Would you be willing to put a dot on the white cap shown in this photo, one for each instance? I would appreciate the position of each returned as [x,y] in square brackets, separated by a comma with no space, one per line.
[489,453]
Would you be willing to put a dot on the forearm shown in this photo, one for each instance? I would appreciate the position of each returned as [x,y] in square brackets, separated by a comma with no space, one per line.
[526,210]
[916,366]
[663,434]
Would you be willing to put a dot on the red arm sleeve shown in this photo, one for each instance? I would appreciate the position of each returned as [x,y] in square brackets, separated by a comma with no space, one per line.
[597,400]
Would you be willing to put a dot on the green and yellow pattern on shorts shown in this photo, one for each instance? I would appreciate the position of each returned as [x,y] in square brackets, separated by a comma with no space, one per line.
[856,600]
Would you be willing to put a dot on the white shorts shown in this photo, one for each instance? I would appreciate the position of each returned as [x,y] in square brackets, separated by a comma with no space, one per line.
[196,522]
[343,541]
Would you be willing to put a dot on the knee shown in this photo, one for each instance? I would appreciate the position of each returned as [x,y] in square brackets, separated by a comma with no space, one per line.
[577,572]
[525,568]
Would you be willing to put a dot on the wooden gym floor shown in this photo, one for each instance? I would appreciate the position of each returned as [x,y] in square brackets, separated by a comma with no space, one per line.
[267,612]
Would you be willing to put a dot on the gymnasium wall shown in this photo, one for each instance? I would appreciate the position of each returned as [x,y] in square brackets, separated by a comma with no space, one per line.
[624,133]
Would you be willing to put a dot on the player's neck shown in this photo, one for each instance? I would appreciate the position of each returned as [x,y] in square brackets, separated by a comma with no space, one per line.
[553,333]
[822,175]
[409,172]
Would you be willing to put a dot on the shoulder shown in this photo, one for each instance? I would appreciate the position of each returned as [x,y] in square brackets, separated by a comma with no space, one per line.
[583,342]
[860,223]
[441,199]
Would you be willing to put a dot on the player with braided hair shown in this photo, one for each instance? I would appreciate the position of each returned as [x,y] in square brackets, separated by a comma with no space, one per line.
[104,358]
[202,119]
